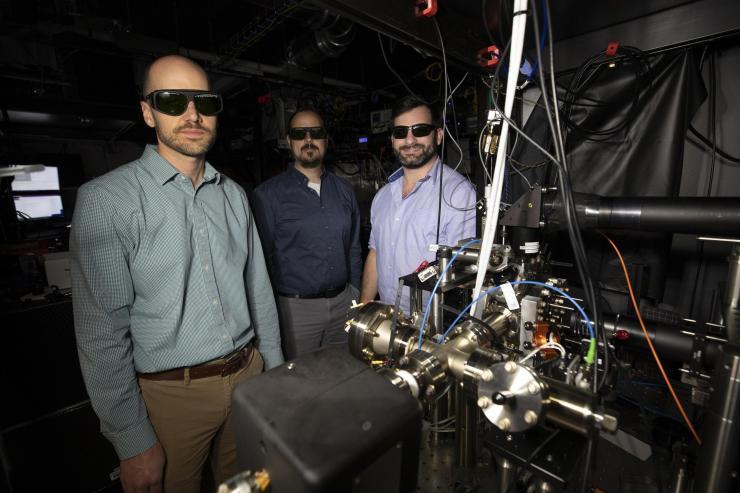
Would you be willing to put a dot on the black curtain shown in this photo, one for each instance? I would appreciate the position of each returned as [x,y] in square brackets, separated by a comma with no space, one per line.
[625,138]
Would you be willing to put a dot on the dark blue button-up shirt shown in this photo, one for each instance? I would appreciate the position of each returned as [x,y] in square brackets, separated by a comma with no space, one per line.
[311,241]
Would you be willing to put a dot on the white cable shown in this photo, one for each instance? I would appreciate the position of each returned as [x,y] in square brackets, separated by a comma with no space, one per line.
[493,198]
[458,85]
[483,161]
[547,345]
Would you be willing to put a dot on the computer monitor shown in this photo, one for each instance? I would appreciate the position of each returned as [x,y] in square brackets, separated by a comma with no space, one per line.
[44,180]
[36,191]
[38,206]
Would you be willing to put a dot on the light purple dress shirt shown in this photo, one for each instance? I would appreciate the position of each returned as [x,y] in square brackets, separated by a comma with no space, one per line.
[403,228]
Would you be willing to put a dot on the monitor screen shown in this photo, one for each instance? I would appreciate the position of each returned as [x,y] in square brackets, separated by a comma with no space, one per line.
[39,206]
[46,180]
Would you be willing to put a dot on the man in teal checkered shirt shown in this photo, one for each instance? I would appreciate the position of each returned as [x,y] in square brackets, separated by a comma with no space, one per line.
[173,305]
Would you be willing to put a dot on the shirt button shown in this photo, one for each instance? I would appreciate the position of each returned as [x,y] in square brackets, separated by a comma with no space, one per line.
[215,301]
[200,231]
[224,337]
[206,268]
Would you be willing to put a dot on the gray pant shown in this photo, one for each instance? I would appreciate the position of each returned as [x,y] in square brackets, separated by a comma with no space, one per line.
[308,325]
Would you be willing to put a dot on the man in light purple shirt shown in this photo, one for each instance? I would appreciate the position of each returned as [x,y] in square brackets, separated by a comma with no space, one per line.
[405,214]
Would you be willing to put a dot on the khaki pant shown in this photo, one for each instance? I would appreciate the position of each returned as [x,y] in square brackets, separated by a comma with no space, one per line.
[192,420]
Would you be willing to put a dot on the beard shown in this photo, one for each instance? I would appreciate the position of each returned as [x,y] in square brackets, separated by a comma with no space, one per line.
[184,145]
[309,156]
[426,153]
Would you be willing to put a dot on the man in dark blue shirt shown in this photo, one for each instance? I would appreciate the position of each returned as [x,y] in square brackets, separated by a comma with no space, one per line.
[309,223]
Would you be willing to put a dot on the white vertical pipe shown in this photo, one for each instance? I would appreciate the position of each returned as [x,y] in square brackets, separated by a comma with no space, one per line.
[493,198]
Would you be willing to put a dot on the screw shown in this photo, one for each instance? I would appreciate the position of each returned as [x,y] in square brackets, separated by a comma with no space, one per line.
[291,366]
[530,417]
[486,375]
[533,388]
[509,438]
[510,367]
[504,424]
[484,402]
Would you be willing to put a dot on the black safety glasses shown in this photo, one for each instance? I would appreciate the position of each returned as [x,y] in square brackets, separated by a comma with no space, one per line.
[299,133]
[418,130]
[174,102]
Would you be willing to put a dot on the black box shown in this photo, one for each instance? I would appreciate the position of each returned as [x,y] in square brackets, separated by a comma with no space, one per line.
[325,422]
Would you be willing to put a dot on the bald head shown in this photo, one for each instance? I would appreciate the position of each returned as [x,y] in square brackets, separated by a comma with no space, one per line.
[174,72]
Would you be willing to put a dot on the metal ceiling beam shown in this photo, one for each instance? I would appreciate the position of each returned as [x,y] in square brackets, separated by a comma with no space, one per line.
[397,20]
[688,24]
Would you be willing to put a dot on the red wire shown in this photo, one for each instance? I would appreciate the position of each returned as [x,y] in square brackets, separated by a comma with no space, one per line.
[650,343]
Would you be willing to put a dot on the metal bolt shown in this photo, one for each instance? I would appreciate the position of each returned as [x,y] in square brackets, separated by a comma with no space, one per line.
[291,366]
[484,402]
[510,367]
[404,360]
[509,438]
[504,424]
[548,458]
[486,375]
[366,425]
[533,388]
[530,417]
[430,391]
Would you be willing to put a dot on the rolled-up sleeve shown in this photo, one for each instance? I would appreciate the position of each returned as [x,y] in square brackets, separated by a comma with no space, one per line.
[460,217]
[102,294]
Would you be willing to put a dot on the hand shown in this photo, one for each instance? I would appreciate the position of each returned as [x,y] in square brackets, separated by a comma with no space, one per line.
[143,473]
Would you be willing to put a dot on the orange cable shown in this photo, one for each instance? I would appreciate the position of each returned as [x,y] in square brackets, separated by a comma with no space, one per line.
[650,343]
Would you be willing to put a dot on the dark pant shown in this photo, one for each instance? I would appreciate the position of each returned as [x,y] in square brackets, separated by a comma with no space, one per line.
[308,325]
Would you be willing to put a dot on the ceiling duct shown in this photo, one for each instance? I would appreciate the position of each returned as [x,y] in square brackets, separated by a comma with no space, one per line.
[328,37]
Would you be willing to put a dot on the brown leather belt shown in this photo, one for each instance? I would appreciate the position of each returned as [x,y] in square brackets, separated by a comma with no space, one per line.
[229,364]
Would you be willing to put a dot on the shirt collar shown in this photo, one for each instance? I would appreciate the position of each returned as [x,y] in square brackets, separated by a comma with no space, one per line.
[163,171]
[432,173]
[300,177]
